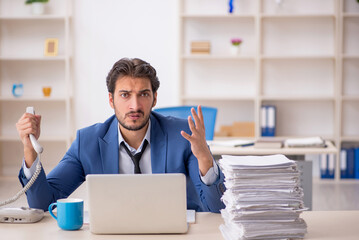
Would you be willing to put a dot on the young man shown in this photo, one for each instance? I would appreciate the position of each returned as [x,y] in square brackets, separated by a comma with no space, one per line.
[134,140]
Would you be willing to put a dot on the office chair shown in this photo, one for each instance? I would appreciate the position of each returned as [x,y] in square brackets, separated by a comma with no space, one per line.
[209,115]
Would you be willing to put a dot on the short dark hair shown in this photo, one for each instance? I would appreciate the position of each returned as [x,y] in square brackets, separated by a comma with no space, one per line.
[132,67]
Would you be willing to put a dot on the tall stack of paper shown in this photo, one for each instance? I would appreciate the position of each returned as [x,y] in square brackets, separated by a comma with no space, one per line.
[263,198]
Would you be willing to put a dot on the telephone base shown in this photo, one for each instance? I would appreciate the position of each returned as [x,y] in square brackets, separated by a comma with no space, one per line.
[20,215]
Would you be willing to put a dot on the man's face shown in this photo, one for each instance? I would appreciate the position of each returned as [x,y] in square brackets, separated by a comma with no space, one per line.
[133,101]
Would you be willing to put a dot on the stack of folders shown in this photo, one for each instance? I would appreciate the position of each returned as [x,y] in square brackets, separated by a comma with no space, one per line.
[263,198]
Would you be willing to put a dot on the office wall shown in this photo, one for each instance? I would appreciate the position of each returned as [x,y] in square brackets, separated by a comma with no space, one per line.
[107,30]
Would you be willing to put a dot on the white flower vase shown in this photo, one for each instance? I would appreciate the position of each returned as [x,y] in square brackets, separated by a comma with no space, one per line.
[235,50]
[37,8]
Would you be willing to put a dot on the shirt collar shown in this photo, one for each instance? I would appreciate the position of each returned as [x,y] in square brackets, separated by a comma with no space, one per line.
[147,137]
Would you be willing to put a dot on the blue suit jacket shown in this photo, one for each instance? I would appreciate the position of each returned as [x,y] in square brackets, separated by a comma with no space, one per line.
[96,151]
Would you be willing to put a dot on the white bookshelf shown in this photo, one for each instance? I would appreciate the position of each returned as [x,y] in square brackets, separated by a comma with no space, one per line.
[22,60]
[300,55]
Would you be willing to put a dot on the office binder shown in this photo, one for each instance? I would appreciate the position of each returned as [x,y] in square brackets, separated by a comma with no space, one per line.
[331,165]
[271,114]
[356,163]
[263,120]
[268,120]
[323,165]
[343,163]
[350,163]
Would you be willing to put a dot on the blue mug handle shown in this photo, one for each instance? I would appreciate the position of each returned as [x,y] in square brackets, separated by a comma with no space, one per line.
[50,209]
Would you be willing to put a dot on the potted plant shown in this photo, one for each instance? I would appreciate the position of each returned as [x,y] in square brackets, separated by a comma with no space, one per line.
[235,43]
[37,6]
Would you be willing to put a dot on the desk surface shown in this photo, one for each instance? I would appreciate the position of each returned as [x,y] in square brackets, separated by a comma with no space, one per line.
[321,225]
[250,150]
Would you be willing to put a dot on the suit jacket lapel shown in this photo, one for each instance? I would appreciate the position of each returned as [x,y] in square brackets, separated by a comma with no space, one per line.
[158,147]
[109,149]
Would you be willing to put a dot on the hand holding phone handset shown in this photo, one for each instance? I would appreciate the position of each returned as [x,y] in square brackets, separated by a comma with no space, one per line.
[31,215]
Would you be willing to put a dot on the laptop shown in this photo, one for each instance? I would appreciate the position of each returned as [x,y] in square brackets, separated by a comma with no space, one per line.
[137,203]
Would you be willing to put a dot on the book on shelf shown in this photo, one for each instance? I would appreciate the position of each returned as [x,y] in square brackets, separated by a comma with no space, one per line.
[268,143]
[200,47]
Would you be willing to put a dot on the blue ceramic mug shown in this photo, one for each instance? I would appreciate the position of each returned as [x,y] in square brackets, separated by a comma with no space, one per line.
[70,213]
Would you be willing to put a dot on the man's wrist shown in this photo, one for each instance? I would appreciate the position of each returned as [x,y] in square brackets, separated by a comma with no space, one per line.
[30,156]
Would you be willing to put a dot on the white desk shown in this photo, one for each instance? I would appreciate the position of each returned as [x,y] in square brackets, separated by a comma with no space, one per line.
[324,225]
[250,150]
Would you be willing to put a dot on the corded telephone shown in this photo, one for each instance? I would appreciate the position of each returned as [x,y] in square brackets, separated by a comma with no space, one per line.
[23,214]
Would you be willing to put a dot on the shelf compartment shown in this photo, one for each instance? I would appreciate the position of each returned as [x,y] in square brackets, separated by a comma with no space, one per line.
[276,16]
[350,6]
[12,154]
[297,98]
[19,8]
[217,16]
[32,99]
[308,118]
[350,77]
[32,17]
[298,78]
[219,33]
[350,36]
[350,116]
[32,76]
[217,98]
[228,111]
[211,7]
[17,36]
[350,139]
[298,57]
[351,15]
[217,57]
[30,58]
[299,7]
[53,122]
[298,37]
[212,78]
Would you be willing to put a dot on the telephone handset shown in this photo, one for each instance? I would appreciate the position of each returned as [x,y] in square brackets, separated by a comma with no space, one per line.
[35,144]
[24,215]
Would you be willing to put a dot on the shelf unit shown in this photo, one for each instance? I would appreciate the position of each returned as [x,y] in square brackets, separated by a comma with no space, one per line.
[300,55]
[22,60]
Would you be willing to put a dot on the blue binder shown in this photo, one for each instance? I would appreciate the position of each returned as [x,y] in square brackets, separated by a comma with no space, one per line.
[263,121]
[331,165]
[350,163]
[356,163]
[271,114]
[323,161]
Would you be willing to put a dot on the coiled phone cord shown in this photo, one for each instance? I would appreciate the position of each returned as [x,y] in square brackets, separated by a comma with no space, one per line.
[27,186]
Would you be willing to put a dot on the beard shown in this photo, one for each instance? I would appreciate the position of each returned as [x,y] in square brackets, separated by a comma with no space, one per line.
[141,125]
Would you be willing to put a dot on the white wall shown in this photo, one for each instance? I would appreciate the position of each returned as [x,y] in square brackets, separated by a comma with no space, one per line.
[107,30]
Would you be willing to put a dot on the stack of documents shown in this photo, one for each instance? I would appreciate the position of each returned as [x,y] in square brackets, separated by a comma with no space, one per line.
[263,198]
[305,142]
